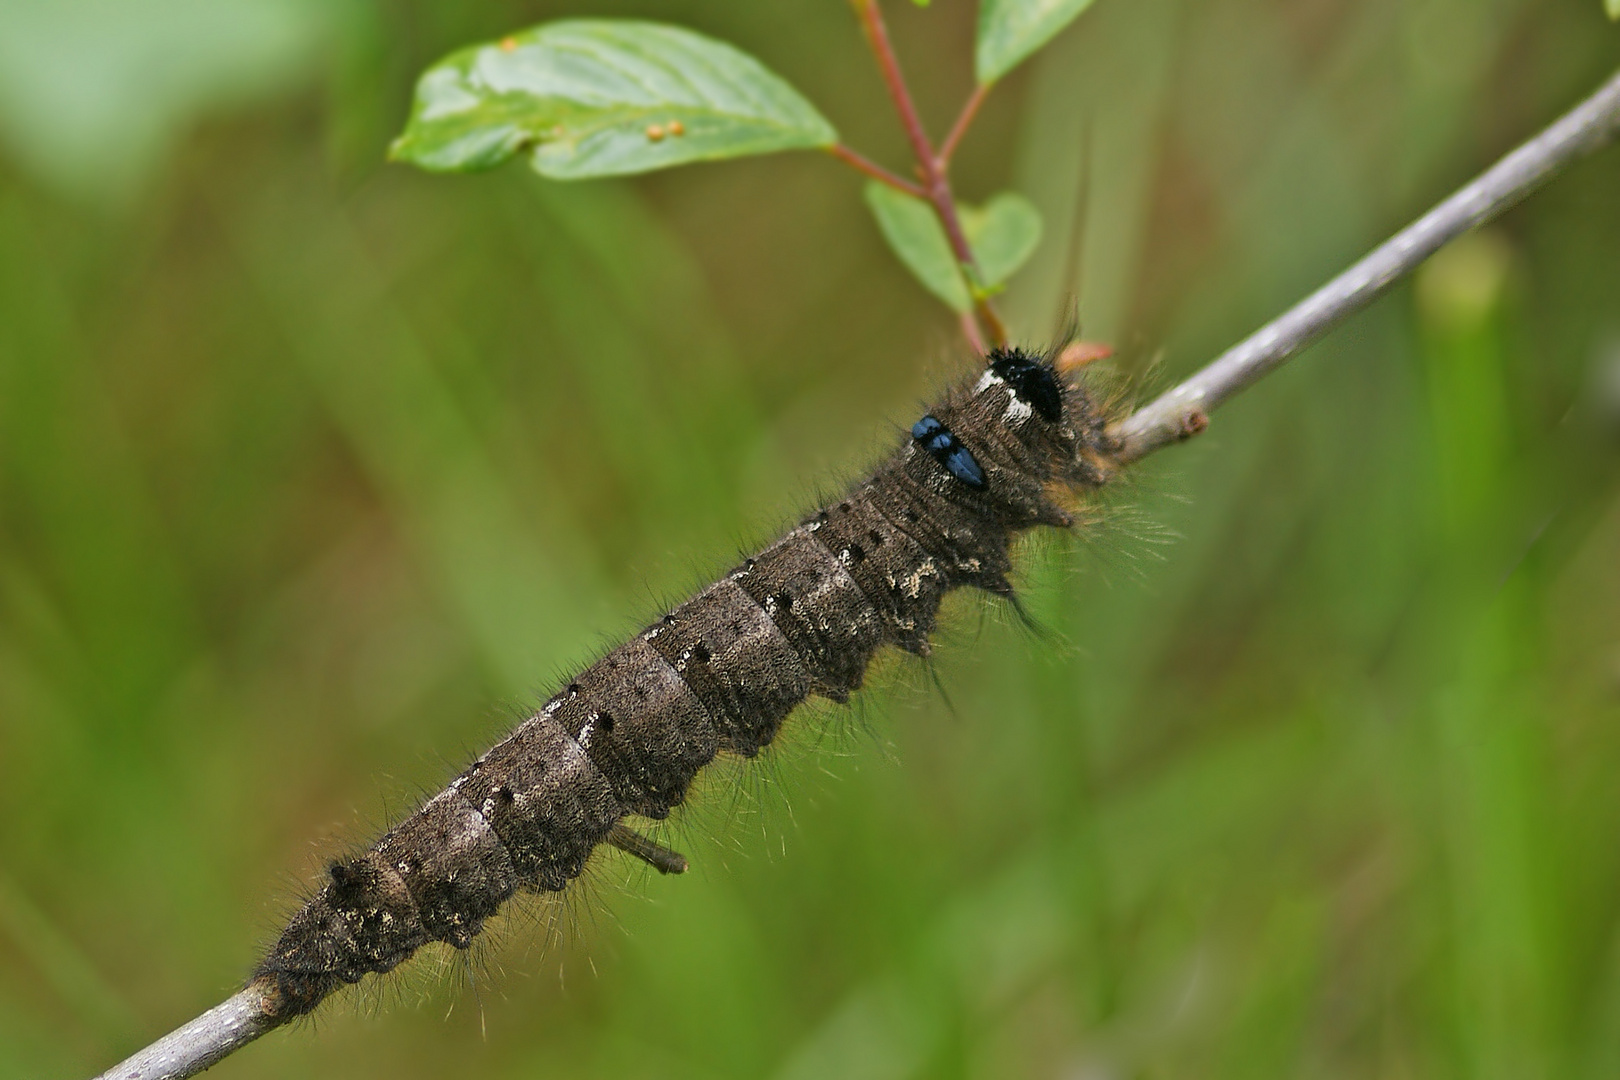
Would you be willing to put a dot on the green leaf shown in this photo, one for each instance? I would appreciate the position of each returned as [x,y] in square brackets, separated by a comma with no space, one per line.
[1003,234]
[603,97]
[1613,8]
[1010,30]
[915,234]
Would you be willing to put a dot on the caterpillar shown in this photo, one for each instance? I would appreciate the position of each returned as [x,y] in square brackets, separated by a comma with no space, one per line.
[998,455]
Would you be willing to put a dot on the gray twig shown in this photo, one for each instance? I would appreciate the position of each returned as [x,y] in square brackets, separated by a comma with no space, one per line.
[1172,417]
[213,1036]
[1183,411]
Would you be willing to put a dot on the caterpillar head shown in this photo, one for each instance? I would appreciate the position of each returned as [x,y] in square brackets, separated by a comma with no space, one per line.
[1050,411]
[1022,441]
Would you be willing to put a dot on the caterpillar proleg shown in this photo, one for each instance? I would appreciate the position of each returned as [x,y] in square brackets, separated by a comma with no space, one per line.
[998,455]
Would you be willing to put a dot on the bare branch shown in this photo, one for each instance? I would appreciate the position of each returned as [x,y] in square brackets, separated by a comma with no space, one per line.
[1174,416]
[210,1038]
[1184,410]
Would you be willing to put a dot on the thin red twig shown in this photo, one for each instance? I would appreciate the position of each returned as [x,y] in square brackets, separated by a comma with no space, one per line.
[992,322]
[875,171]
[936,185]
[877,35]
[970,330]
[965,118]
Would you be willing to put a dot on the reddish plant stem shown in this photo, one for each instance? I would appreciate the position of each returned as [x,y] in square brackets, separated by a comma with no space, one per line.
[875,171]
[930,167]
[992,323]
[970,330]
[963,119]
[877,35]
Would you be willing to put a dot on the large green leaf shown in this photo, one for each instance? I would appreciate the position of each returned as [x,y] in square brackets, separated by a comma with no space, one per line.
[1009,30]
[1003,234]
[603,97]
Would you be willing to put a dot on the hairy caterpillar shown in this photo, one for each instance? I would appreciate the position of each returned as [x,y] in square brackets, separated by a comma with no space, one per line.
[718,673]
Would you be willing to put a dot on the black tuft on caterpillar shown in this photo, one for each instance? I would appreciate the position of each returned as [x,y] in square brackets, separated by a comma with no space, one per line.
[995,457]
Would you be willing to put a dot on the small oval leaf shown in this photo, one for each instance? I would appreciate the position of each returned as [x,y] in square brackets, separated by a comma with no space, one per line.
[1003,234]
[916,236]
[1010,30]
[603,97]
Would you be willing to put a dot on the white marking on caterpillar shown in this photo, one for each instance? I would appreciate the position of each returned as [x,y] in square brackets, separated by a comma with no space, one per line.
[1018,410]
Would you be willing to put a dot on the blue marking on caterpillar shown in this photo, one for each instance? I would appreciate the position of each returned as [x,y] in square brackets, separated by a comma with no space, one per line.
[944,447]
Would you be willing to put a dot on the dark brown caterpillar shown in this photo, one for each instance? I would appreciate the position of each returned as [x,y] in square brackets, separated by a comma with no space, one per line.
[720,672]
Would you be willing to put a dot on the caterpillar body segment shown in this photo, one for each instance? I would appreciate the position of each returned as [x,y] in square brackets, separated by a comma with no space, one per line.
[721,672]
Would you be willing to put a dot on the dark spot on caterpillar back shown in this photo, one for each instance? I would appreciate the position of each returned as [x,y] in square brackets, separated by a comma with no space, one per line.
[1033,380]
[721,672]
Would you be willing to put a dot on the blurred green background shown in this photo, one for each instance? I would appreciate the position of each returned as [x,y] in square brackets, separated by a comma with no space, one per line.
[314,471]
